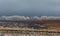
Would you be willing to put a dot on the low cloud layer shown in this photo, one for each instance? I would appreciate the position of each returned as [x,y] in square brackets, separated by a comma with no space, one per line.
[30,18]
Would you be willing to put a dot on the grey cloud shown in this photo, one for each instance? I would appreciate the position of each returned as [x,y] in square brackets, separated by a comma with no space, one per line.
[30,6]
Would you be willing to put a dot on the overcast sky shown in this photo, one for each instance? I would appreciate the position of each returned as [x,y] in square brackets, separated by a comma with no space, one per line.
[30,7]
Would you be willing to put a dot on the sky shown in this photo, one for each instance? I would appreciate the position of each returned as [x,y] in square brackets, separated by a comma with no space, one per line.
[30,7]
